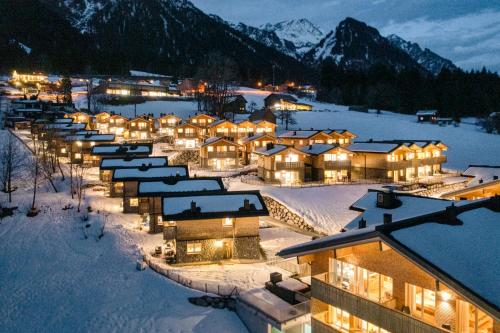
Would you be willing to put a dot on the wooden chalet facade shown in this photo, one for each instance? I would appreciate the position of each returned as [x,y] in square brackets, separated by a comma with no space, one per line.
[398,277]
[219,154]
[202,121]
[101,122]
[188,136]
[140,128]
[81,118]
[118,125]
[80,147]
[329,163]
[213,227]
[167,124]
[223,129]
[151,193]
[302,138]
[282,164]
[250,144]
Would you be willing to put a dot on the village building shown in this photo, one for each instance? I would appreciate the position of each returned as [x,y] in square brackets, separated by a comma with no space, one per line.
[484,183]
[140,128]
[251,143]
[188,136]
[219,154]
[54,130]
[146,87]
[151,193]
[397,160]
[80,118]
[433,273]
[167,124]
[101,122]
[302,138]
[264,114]
[264,126]
[118,125]
[214,227]
[245,128]
[80,147]
[117,150]
[341,137]
[329,163]
[30,77]
[124,182]
[236,104]
[279,102]
[282,164]
[223,129]
[203,121]
[191,87]
[109,165]
[427,116]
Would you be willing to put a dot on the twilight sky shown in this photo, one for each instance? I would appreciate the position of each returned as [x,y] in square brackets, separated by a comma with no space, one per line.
[465,31]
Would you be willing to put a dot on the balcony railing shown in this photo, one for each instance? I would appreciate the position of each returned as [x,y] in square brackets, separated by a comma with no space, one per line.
[288,165]
[187,135]
[382,314]
[223,154]
[396,165]
[337,165]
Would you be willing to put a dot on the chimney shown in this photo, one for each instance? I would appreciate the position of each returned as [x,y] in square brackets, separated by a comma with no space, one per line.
[495,177]
[387,218]
[495,203]
[246,204]
[362,223]
[481,181]
[451,212]
[294,132]
[193,207]
[310,147]
[269,146]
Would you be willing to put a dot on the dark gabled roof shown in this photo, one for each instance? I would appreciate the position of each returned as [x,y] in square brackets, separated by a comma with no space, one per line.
[285,97]
[144,173]
[446,243]
[174,186]
[112,163]
[117,149]
[91,137]
[212,205]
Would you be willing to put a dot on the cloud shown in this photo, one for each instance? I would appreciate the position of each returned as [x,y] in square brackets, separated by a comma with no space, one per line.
[472,40]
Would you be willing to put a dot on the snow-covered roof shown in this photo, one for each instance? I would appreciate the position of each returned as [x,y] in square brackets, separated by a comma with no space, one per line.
[227,204]
[63,121]
[152,173]
[221,121]
[411,206]
[426,112]
[482,172]
[117,148]
[317,148]
[114,163]
[300,134]
[255,137]
[373,147]
[269,152]
[185,185]
[469,252]
[29,110]
[91,137]
[65,126]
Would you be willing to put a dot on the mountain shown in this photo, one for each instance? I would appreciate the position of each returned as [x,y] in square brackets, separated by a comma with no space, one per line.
[164,36]
[302,33]
[426,58]
[355,45]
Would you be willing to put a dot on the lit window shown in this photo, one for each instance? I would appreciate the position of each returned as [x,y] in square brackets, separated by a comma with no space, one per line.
[193,248]
[228,222]
[210,148]
[159,220]
[232,148]
[78,156]
[180,130]
[195,121]
[343,157]
[63,150]
[92,143]
[278,158]
[134,202]
[79,143]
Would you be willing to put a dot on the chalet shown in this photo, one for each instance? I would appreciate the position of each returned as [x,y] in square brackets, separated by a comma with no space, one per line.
[140,128]
[264,114]
[147,87]
[188,136]
[484,183]
[264,126]
[279,102]
[301,138]
[191,87]
[397,160]
[151,193]
[203,121]
[80,118]
[245,128]
[223,129]
[341,137]
[117,125]
[235,104]
[30,77]
[282,164]
[214,227]
[54,130]
[102,122]
[219,154]
[434,272]
[80,147]
[117,150]
[329,163]
[427,116]
[250,144]
[109,165]
[124,182]
[168,123]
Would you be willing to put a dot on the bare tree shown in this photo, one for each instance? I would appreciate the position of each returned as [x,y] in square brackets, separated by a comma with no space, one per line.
[12,158]
[80,171]
[286,117]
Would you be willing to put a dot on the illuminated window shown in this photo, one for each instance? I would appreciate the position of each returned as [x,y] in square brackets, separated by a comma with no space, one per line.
[210,148]
[180,130]
[78,156]
[277,158]
[193,248]
[330,157]
[228,222]
[232,148]
[195,121]
[134,202]
[79,143]
[159,220]
[343,157]
[92,143]
[63,150]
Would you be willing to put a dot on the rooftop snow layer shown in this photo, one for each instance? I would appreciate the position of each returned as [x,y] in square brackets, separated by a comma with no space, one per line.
[468,253]
[268,152]
[91,137]
[115,148]
[372,147]
[168,171]
[483,172]
[209,203]
[316,149]
[188,185]
[298,134]
[135,162]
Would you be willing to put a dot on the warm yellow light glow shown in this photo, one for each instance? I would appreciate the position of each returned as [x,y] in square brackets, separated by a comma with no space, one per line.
[218,243]
[445,296]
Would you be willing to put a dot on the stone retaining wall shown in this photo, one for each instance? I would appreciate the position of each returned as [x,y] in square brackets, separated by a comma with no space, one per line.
[282,213]
[186,157]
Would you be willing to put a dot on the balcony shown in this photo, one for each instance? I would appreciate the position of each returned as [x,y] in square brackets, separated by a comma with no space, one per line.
[222,154]
[383,314]
[288,165]
[337,165]
[187,135]
[433,160]
[397,165]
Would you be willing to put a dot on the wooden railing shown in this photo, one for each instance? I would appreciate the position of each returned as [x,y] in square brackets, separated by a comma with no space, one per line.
[223,154]
[337,165]
[373,312]
[288,165]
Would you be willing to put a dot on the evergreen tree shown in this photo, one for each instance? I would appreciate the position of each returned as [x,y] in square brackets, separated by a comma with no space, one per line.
[66,90]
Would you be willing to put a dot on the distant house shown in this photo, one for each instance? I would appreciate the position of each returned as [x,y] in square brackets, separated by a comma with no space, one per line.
[80,118]
[264,126]
[203,121]
[484,183]
[427,116]
[213,227]
[101,122]
[277,102]
[167,124]
[109,165]
[80,147]
[124,182]
[223,129]
[235,104]
[219,154]
[190,87]
[264,114]
[151,193]
[301,138]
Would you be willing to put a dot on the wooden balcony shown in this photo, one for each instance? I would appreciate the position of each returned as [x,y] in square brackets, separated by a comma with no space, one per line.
[187,135]
[382,315]
[288,165]
[222,154]
[337,165]
[398,165]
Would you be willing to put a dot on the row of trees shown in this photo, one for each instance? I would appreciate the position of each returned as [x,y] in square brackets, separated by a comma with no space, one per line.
[454,93]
